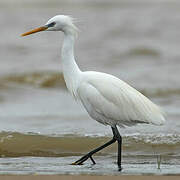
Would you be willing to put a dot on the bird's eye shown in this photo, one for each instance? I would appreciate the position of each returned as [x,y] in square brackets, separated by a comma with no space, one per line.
[51,24]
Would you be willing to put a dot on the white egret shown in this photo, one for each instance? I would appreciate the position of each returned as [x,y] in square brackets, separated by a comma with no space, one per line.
[106,98]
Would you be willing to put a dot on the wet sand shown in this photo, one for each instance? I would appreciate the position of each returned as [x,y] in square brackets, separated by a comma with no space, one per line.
[87,177]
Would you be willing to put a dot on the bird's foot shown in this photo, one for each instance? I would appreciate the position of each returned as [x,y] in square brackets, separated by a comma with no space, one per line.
[93,161]
[83,159]
[120,168]
[79,162]
[75,163]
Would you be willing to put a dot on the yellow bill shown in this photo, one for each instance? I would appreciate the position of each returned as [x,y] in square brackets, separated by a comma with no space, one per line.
[43,28]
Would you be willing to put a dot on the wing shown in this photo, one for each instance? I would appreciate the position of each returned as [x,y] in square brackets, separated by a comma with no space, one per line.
[111,101]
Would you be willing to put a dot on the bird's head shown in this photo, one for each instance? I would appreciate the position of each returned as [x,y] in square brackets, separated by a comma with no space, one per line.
[57,23]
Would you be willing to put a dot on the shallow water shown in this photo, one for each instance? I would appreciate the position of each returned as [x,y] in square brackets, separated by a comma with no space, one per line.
[42,129]
[105,166]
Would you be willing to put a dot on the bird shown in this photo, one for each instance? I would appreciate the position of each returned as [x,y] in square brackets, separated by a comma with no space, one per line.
[106,98]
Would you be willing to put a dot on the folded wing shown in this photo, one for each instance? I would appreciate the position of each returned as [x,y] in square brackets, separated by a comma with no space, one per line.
[112,101]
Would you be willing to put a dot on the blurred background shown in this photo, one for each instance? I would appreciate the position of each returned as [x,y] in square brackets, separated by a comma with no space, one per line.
[135,40]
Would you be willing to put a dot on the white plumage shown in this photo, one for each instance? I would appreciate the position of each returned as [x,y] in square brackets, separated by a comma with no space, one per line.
[113,102]
[106,98]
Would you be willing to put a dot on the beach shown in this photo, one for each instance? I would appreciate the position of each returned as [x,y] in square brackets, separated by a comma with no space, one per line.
[43,129]
[56,177]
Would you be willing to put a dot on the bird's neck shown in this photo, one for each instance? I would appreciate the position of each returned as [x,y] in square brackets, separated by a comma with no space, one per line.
[71,70]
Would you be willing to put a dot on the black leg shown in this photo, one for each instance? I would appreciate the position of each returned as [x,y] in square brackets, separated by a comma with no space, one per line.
[89,155]
[116,137]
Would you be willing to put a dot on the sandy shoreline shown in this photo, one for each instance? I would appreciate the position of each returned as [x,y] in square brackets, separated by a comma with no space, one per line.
[82,177]
[88,177]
